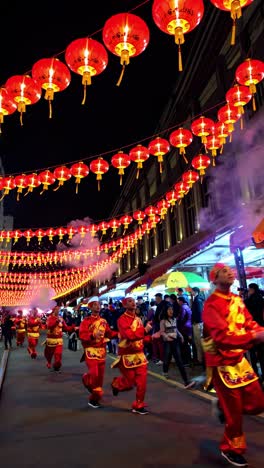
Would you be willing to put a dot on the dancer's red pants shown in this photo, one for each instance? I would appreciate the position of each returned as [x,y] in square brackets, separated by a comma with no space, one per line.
[32,344]
[93,380]
[130,378]
[20,338]
[55,351]
[235,402]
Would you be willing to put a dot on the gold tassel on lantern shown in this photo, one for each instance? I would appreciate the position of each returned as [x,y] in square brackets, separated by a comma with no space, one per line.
[86,81]
[124,60]
[49,96]
[179,39]
[21,107]
[182,152]
[236,13]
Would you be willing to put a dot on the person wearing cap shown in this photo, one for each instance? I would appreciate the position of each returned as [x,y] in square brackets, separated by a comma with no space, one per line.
[20,323]
[94,332]
[54,341]
[33,325]
[229,331]
[132,361]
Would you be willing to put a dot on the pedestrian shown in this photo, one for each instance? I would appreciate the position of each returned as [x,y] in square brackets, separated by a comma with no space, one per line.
[255,305]
[7,331]
[182,293]
[197,323]
[33,325]
[184,322]
[54,341]
[132,361]
[20,323]
[171,342]
[94,332]
[229,331]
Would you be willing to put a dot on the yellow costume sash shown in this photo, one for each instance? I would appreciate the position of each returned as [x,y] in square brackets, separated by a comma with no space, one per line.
[134,360]
[95,353]
[237,376]
[54,341]
[21,330]
[33,335]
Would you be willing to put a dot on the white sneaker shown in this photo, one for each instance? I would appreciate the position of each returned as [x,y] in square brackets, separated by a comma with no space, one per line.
[159,363]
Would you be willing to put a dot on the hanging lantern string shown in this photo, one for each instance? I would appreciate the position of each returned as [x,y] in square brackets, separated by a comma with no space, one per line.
[105,153]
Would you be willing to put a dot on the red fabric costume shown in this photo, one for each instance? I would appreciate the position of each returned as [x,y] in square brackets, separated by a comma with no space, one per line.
[33,325]
[132,361]
[54,341]
[229,330]
[20,323]
[95,353]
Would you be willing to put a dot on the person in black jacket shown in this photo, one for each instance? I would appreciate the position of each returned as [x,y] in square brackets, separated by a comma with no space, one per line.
[197,323]
[255,305]
[7,331]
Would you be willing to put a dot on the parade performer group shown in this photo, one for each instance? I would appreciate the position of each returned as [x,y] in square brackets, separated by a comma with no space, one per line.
[132,361]
[54,341]
[94,332]
[229,331]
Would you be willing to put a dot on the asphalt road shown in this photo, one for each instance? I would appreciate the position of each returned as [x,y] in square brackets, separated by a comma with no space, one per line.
[45,422]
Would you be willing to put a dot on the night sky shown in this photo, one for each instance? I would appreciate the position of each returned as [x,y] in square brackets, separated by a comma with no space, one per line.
[112,117]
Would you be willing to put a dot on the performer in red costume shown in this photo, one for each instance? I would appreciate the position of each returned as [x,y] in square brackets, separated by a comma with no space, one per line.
[229,331]
[20,323]
[132,361]
[95,333]
[33,324]
[54,341]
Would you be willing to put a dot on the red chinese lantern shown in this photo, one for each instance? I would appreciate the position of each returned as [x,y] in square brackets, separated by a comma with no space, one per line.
[126,220]
[79,171]
[201,162]
[7,184]
[86,57]
[62,174]
[40,233]
[60,232]
[139,154]
[250,73]
[99,167]
[7,105]
[202,127]
[93,229]
[114,224]
[50,233]
[53,76]
[21,183]
[103,226]
[181,138]
[125,35]
[162,207]
[121,161]
[16,235]
[158,147]
[139,216]
[177,17]
[154,221]
[213,144]
[172,197]
[82,230]
[71,231]
[28,234]
[190,177]
[235,8]
[229,115]
[146,227]
[222,132]
[151,211]
[46,178]
[32,181]
[182,189]
[24,90]
[239,96]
